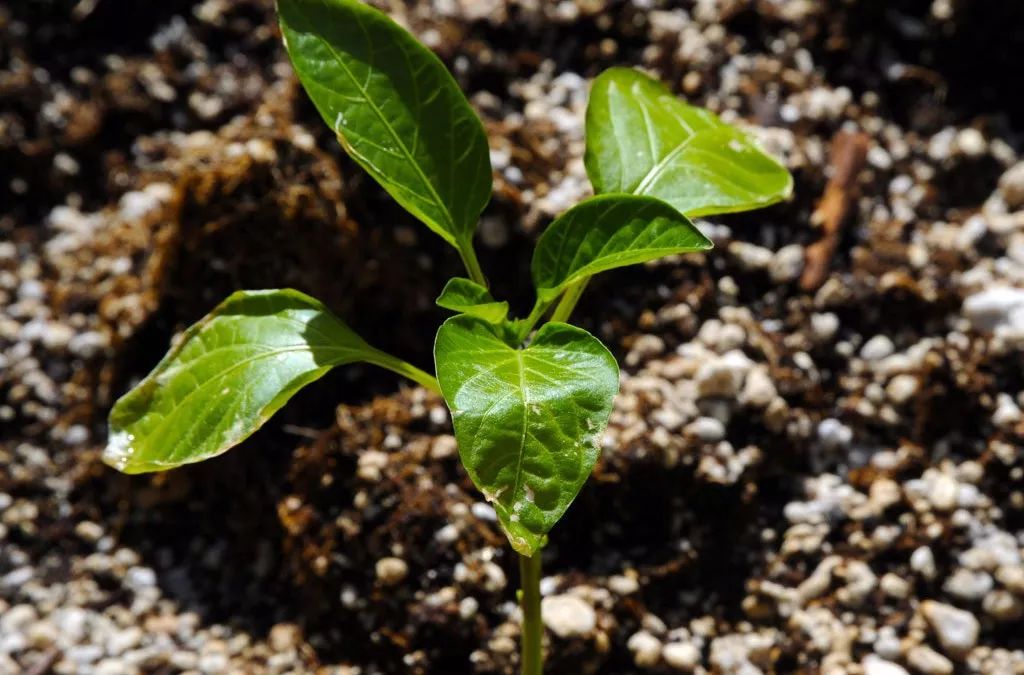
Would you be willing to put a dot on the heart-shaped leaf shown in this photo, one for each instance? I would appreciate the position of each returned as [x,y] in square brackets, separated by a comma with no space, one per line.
[468,297]
[228,374]
[528,421]
[396,109]
[643,140]
[609,231]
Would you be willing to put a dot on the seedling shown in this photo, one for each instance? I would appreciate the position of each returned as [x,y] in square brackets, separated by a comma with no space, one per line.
[529,405]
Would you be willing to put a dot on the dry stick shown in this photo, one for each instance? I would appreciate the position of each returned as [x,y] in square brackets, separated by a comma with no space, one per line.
[846,158]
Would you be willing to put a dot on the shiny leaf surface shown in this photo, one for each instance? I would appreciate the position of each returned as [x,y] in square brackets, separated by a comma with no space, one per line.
[226,376]
[643,140]
[606,232]
[395,108]
[528,421]
[468,297]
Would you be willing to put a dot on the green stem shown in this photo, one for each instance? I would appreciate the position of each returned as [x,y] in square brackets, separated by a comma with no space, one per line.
[539,307]
[532,660]
[468,255]
[569,299]
[404,369]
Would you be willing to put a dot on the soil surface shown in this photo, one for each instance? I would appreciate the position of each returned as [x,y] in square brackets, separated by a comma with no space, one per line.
[814,465]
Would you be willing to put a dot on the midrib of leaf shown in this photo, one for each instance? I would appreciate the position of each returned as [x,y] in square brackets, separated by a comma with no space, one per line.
[303,325]
[649,128]
[601,251]
[573,275]
[485,371]
[660,167]
[166,417]
[676,115]
[700,168]
[612,86]
[540,375]
[450,223]
[632,258]
[522,437]
[308,326]
[561,244]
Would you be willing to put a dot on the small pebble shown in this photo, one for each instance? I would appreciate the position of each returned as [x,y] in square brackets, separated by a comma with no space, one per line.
[956,629]
[996,308]
[834,434]
[391,571]
[902,388]
[874,665]
[923,562]
[681,656]
[877,348]
[707,429]
[970,585]
[568,616]
[1011,185]
[1003,606]
[787,264]
[623,584]
[926,660]
[942,492]
[646,649]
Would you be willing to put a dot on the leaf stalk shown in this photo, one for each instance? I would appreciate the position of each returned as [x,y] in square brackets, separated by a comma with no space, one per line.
[397,365]
[469,259]
[569,299]
[539,307]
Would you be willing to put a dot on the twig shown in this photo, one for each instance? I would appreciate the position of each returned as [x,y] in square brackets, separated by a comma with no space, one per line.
[846,158]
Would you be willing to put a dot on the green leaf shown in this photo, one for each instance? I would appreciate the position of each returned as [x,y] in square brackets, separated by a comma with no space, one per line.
[227,375]
[643,140]
[528,421]
[605,232]
[396,110]
[468,297]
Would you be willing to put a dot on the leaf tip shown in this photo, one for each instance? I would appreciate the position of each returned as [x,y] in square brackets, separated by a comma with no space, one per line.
[119,450]
[787,190]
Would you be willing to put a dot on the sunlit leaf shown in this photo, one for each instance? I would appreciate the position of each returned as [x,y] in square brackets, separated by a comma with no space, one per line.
[468,297]
[528,421]
[227,375]
[643,140]
[606,232]
[396,110]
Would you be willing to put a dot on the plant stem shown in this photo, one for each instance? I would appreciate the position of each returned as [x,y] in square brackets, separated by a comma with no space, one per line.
[539,307]
[532,659]
[569,300]
[468,255]
[404,369]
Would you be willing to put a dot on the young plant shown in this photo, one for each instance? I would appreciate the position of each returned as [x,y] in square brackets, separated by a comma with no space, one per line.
[529,407]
